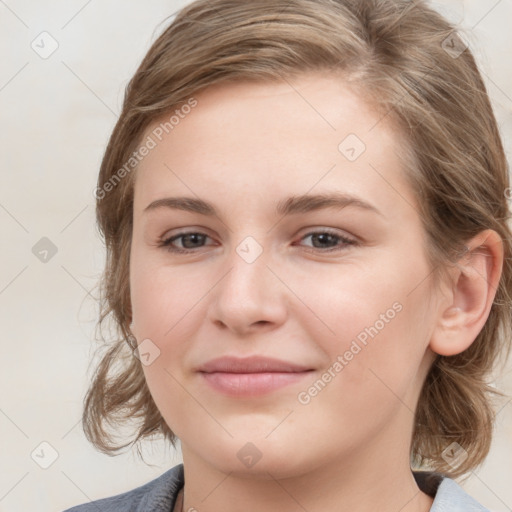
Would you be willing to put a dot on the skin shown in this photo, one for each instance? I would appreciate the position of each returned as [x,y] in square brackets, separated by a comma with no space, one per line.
[244,148]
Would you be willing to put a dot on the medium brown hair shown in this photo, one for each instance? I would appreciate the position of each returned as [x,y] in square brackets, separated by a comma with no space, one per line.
[406,60]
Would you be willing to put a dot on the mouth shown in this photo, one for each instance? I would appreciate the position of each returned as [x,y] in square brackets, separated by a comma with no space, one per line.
[251,376]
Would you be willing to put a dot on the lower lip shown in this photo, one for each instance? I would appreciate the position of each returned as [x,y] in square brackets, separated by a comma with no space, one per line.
[251,384]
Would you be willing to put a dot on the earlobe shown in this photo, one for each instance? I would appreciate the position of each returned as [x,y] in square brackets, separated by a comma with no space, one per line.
[463,313]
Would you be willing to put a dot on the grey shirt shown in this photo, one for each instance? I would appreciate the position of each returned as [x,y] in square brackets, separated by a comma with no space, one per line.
[159,495]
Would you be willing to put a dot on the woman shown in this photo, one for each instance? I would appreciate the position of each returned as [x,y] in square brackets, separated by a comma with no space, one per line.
[308,252]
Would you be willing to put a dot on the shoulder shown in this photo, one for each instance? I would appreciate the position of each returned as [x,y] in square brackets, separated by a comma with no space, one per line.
[448,495]
[157,495]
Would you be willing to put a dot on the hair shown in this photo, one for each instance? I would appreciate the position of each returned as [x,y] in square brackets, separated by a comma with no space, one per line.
[397,54]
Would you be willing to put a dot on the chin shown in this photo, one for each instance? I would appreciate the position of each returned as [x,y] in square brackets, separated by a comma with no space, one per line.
[262,459]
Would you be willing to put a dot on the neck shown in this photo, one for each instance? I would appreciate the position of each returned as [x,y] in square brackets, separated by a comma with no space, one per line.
[355,486]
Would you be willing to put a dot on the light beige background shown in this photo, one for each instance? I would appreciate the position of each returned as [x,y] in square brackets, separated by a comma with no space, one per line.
[57,114]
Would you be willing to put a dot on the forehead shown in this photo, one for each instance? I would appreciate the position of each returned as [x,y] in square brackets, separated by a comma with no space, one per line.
[271,138]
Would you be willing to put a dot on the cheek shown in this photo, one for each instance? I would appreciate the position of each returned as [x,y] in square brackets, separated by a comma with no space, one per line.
[370,380]
[373,328]
[164,320]
[164,299]
[168,307]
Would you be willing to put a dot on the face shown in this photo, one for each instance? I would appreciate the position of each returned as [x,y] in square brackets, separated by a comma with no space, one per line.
[300,241]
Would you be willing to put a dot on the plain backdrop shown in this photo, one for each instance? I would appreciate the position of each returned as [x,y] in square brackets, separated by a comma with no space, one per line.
[57,112]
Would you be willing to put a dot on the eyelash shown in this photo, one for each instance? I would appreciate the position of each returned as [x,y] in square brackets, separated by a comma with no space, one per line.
[166,243]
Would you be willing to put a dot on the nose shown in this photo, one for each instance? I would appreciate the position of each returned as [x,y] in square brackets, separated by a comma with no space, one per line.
[249,298]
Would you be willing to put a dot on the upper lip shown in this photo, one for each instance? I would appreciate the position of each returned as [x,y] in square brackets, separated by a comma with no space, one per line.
[253,364]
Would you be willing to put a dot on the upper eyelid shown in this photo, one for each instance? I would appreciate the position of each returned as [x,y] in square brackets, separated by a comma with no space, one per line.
[185,233]
[310,230]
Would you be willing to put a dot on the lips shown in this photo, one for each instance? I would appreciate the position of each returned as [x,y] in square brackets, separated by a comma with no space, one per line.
[251,376]
[253,364]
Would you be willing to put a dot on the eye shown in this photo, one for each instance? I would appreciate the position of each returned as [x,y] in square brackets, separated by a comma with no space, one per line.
[189,241]
[327,241]
[322,240]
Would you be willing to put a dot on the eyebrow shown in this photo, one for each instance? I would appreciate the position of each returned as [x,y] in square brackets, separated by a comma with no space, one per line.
[292,205]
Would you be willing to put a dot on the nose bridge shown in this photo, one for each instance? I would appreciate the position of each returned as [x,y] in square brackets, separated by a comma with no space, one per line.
[248,294]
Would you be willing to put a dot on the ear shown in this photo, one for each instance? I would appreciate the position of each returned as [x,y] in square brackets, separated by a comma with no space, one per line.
[465,308]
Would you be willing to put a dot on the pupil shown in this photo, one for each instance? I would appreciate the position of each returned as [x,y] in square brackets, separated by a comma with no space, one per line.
[191,236]
[324,237]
